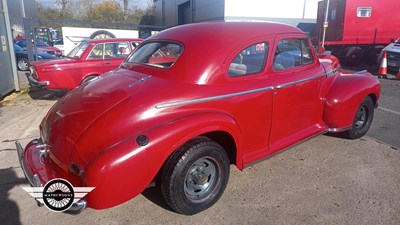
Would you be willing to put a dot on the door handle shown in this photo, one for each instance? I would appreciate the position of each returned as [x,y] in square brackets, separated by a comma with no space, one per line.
[106,63]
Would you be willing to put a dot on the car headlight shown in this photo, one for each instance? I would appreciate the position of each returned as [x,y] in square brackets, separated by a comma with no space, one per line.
[39,57]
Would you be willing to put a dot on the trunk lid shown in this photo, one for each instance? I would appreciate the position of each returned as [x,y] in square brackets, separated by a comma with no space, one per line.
[74,113]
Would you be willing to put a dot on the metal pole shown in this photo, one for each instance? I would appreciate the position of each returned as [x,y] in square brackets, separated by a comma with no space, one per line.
[325,24]
[304,9]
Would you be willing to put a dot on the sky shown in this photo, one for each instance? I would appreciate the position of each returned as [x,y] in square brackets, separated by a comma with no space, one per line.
[260,8]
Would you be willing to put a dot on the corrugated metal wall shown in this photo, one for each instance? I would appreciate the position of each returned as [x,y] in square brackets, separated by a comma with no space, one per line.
[6,72]
[167,11]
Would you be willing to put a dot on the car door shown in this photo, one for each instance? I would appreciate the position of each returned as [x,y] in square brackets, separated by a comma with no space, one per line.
[297,77]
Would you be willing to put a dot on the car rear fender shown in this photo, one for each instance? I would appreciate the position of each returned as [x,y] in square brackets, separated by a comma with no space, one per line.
[127,168]
[345,96]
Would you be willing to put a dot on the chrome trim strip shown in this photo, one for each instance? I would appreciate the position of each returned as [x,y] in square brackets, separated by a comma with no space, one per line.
[361,71]
[200,100]
[339,130]
[21,156]
[331,72]
[139,81]
[299,81]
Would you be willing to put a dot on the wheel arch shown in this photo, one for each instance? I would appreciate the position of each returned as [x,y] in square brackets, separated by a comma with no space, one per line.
[142,164]
[226,141]
[89,75]
[345,96]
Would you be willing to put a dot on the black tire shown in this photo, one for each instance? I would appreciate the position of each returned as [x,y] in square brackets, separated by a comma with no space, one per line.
[362,119]
[89,78]
[373,54]
[23,64]
[195,176]
[352,56]
[102,34]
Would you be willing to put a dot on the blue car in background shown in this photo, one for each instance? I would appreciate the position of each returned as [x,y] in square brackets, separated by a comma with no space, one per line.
[21,56]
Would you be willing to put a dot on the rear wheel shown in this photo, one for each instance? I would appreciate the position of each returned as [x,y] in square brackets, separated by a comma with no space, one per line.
[362,120]
[195,176]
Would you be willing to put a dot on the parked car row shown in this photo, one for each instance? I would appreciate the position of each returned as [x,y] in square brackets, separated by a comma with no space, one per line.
[183,106]
[21,56]
[41,46]
[393,56]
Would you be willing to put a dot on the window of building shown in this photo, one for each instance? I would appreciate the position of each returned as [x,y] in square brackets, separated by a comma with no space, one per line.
[249,61]
[364,11]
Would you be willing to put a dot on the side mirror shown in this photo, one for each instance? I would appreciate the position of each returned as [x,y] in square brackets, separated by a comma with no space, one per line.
[320,50]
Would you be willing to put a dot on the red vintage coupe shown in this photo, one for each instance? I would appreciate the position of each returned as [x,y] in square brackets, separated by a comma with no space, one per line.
[86,61]
[190,101]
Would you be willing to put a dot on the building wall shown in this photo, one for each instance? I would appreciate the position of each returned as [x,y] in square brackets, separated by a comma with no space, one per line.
[7,73]
[284,11]
[167,11]
[12,13]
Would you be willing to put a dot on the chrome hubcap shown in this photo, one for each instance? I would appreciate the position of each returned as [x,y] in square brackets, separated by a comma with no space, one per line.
[362,116]
[200,178]
[23,65]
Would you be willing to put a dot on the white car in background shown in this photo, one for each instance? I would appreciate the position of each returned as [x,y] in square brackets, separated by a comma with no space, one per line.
[393,56]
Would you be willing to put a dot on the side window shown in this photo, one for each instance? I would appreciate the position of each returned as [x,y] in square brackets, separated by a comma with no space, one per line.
[292,53]
[110,50]
[97,52]
[306,55]
[135,44]
[248,61]
[122,49]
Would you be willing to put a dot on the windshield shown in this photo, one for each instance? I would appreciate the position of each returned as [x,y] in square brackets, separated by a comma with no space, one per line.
[18,49]
[157,54]
[21,43]
[41,43]
[78,50]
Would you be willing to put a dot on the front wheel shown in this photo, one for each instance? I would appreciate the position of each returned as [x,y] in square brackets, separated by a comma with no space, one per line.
[362,120]
[195,176]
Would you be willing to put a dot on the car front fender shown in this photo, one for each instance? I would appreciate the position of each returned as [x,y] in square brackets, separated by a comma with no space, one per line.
[345,96]
[125,169]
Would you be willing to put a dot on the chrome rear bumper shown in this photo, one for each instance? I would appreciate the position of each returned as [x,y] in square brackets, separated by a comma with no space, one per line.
[34,179]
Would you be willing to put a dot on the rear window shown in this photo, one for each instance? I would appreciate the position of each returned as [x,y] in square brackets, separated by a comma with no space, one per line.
[156,54]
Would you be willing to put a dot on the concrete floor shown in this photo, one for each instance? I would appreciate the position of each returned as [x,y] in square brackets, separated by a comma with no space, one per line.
[326,180]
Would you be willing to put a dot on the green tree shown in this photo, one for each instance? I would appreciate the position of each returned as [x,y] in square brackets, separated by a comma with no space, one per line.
[107,11]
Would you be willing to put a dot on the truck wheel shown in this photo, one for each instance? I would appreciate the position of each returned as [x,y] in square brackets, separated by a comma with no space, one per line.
[23,64]
[102,34]
[373,54]
[352,56]
[195,176]
[362,120]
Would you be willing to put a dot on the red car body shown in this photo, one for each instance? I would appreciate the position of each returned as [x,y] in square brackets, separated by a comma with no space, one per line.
[117,132]
[80,64]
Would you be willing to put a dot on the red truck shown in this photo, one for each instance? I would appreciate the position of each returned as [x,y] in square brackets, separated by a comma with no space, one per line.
[358,30]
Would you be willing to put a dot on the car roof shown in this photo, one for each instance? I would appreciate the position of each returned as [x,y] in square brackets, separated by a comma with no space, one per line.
[207,45]
[221,31]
